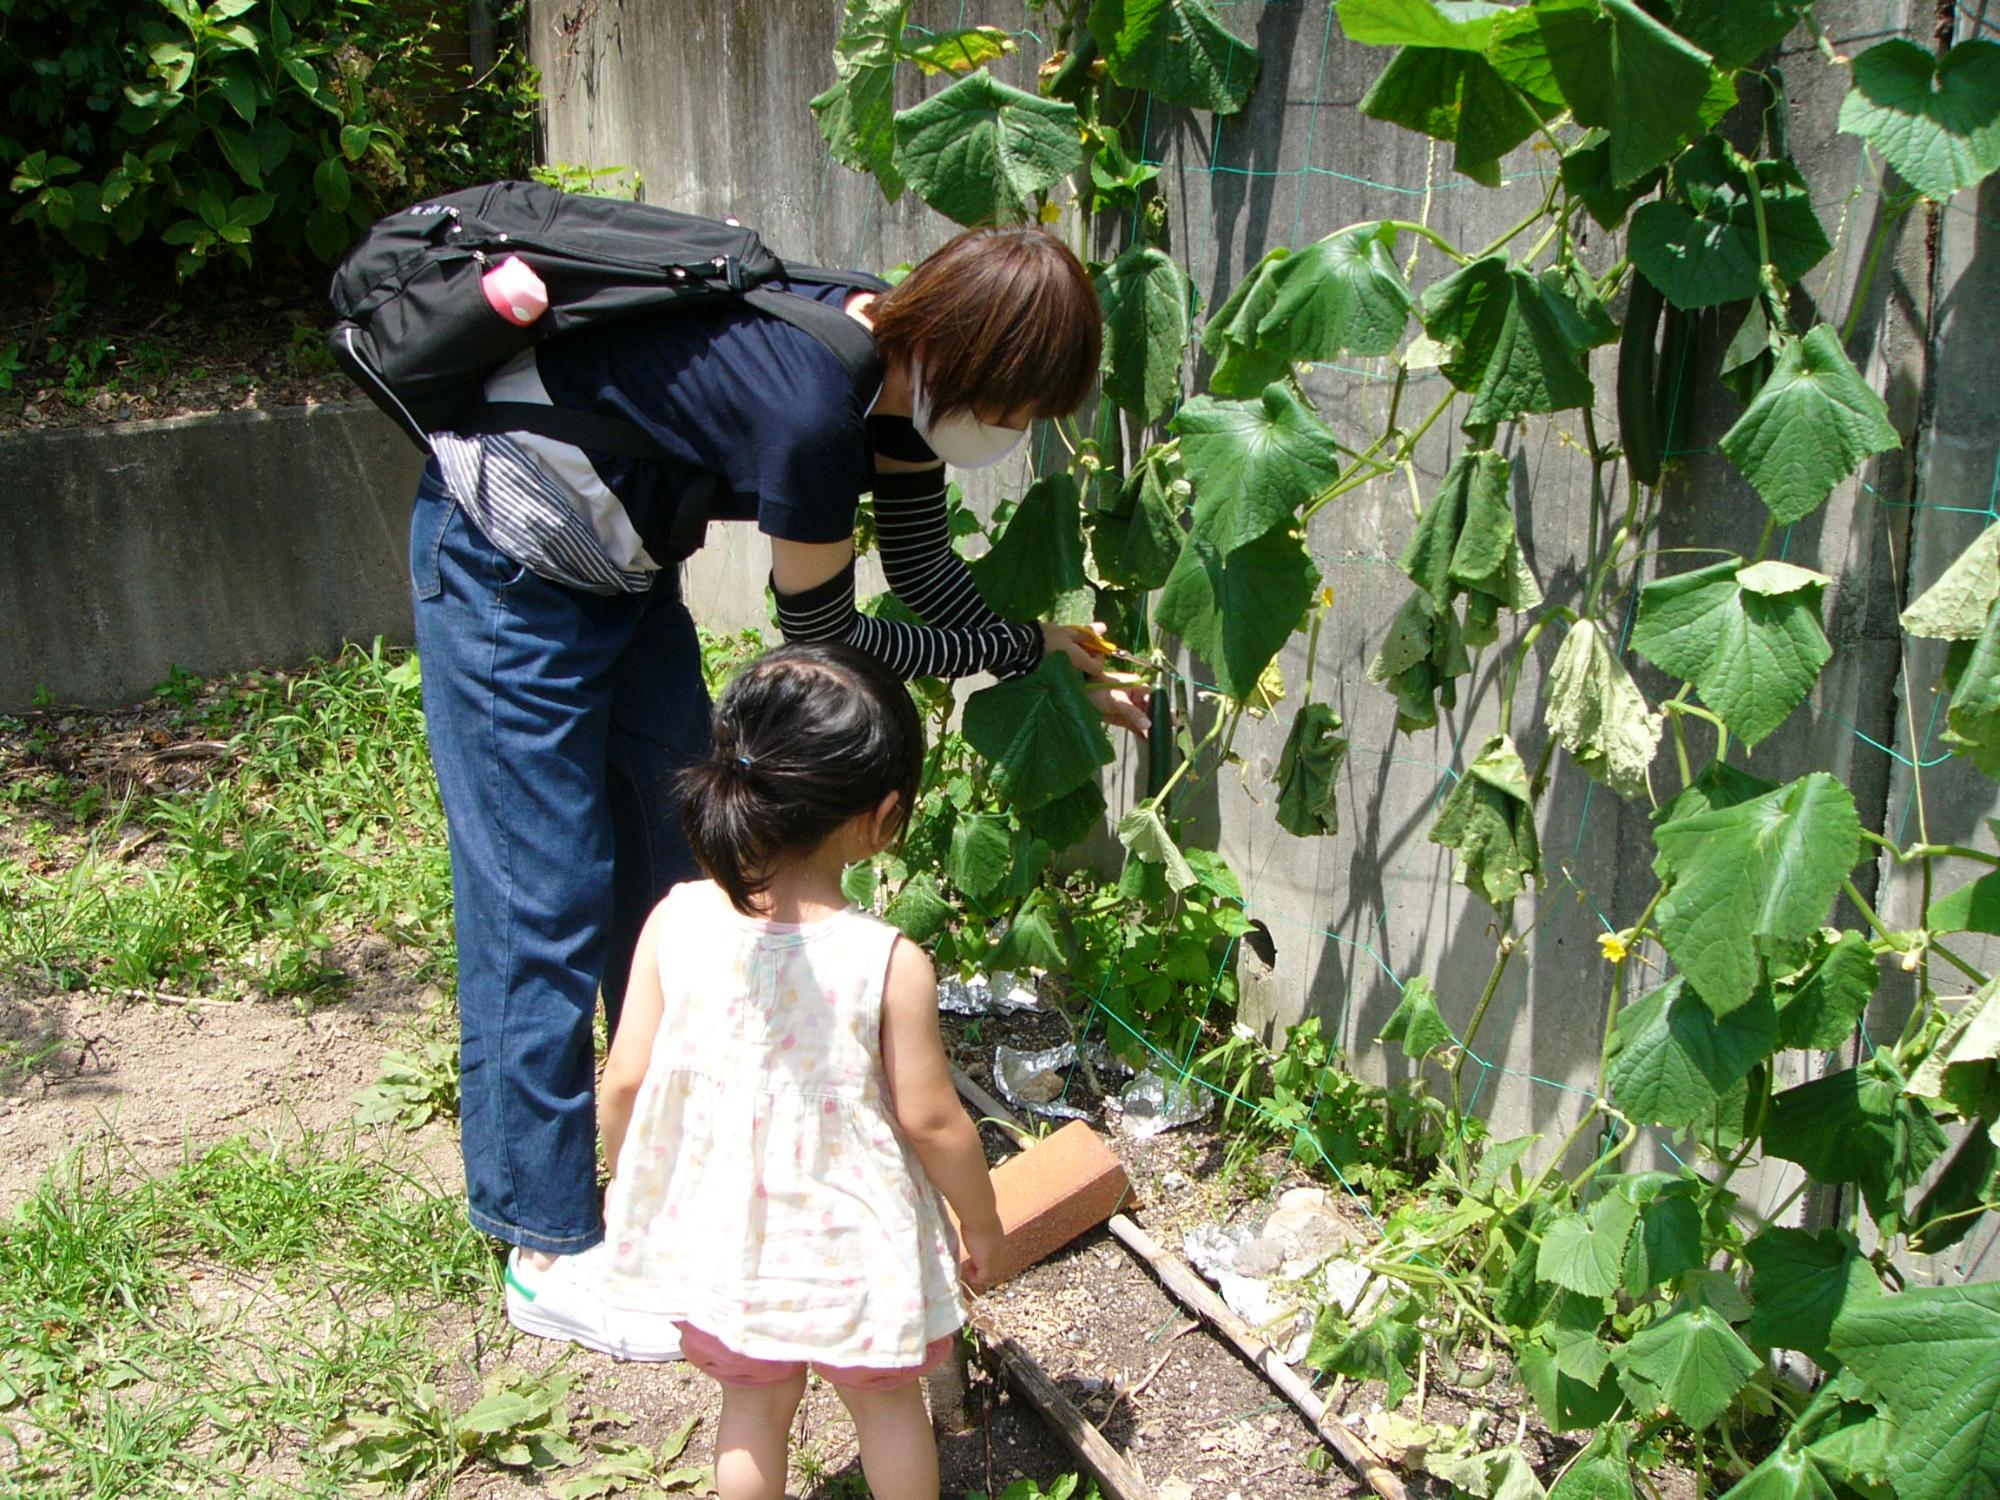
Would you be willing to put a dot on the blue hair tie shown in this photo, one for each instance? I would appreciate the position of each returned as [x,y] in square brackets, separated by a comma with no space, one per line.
[745,762]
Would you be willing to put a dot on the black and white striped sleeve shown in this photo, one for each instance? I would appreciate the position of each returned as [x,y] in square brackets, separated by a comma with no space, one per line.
[826,612]
[913,531]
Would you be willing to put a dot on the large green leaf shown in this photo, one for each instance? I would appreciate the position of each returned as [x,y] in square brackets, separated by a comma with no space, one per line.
[1043,736]
[1342,292]
[1667,1242]
[1308,767]
[1465,542]
[1243,369]
[1039,555]
[1146,299]
[1819,1006]
[1038,936]
[1673,1059]
[1236,607]
[1585,1252]
[1802,1280]
[1970,908]
[1136,546]
[1857,1126]
[1517,340]
[1416,1026]
[1748,638]
[1700,247]
[857,115]
[977,150]
[1958,605]
[1810,427]
[1963,1193]
[1463,533]
[1490,821]
[1453,95]
[1464,24]
[1253,463]
[1175,50]
[1692,1360]
[1599,714]
[1928,1355]
[1382,1349]
[1586,174]
[1936,120]
[1614,66]
[1742,878]
[1736,32]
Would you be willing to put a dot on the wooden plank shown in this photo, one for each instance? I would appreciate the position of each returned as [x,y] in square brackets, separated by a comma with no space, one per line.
[1118,1479]
[1180,1278]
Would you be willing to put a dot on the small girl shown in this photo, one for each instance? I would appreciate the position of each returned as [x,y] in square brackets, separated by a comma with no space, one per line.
[777,1102]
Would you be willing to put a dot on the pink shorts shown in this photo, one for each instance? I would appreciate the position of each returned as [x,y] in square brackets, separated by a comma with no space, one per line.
[710,1355]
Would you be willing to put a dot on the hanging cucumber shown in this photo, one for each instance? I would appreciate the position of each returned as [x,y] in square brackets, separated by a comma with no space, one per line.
[1673,405]
[1638,404]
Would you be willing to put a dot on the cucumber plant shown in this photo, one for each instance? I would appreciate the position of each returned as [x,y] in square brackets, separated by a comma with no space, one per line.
[1645,1306]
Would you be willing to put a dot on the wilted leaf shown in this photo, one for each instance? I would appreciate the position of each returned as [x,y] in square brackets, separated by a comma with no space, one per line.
[1489,820]
[1308,766]
[1599,714]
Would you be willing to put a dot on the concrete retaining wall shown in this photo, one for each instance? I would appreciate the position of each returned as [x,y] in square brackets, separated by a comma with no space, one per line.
[213,544]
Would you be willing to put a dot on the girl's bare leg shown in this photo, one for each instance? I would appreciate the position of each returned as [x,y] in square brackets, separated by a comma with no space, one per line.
[898,1450]
[752,1439]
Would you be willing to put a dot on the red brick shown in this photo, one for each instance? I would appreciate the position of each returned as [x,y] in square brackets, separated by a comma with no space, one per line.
[1060,1187]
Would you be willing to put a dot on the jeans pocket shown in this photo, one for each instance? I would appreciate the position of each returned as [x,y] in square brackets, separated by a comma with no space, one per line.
[427,523]
[503,570]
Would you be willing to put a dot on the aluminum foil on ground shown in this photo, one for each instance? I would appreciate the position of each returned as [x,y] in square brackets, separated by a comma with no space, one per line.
[1037,1081]
[1152,1102]
[987,994]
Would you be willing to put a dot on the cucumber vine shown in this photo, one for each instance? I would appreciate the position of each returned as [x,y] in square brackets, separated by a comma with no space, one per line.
[1646,1306]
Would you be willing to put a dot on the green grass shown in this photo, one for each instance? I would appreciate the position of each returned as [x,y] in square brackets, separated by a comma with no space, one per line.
[321,818]
[117,1377]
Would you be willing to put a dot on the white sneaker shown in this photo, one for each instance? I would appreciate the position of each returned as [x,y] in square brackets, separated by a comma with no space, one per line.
[566,1302]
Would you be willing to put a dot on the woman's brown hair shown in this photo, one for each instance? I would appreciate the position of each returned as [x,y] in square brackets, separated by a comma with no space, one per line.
[1004,320]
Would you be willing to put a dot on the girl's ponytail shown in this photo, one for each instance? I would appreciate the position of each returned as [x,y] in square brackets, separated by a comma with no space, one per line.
[806,737]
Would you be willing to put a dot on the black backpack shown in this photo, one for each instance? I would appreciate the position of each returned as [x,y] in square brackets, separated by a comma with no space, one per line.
[416,332]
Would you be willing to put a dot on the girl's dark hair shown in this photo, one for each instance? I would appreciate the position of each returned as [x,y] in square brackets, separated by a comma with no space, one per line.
[1003,317]
[805,738]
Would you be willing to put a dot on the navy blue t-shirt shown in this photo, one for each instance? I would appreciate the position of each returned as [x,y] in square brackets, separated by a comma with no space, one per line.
[736,393]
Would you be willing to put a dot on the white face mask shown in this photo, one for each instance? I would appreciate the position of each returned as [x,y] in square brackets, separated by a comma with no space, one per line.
[961,439]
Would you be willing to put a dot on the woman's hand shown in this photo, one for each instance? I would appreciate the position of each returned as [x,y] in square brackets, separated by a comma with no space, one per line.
[1123,704]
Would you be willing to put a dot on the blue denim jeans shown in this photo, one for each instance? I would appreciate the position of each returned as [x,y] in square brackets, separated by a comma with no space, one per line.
[557,719]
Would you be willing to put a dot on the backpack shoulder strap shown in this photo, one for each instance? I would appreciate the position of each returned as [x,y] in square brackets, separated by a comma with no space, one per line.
[850,343]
